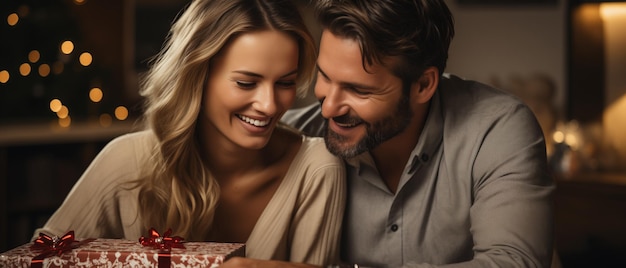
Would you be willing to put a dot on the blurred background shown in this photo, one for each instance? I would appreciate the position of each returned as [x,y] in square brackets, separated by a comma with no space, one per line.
[69,73]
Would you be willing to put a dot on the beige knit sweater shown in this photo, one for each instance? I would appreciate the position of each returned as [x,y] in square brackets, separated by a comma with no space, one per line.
[301,223]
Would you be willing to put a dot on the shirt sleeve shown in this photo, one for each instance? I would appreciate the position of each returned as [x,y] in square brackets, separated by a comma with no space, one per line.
[511,214]
[316,227]
[91,209]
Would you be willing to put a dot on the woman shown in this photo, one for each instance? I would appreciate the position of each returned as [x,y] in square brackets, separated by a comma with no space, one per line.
[215,165]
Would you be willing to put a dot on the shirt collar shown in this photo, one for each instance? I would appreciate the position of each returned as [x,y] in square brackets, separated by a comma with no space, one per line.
[431,136]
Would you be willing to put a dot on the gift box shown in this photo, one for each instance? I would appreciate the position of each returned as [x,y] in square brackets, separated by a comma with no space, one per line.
[121,253]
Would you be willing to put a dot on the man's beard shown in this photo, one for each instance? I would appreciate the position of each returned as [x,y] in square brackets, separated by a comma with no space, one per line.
[376,133]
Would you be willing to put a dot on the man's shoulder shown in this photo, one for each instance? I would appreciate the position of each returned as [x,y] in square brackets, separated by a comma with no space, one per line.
[469,98]
[471,109]
[307,119]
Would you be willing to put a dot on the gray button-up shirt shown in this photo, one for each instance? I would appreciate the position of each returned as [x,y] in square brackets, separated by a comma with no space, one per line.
[476,190]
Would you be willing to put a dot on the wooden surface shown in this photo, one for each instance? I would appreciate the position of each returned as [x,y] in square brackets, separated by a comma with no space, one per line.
[590,220]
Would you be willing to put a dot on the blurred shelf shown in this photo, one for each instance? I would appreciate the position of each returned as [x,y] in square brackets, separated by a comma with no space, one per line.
[52,133]
[609,178]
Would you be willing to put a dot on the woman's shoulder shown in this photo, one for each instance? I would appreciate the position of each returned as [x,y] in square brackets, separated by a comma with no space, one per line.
[133,140]
[135,145]
[313,150]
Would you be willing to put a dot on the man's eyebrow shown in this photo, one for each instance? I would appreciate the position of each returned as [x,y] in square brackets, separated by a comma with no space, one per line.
[347,84]
[261,76]
[322,72]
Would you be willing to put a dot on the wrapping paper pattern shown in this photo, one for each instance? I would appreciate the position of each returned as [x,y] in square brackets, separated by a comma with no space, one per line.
[125,253]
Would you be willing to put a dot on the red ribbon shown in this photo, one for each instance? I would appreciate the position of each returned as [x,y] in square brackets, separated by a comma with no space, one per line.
[164,243]
[53,246]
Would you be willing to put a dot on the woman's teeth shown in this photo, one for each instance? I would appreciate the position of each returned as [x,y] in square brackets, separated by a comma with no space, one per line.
[254,122]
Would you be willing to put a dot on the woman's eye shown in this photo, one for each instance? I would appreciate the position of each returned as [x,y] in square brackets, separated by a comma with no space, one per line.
[244,84]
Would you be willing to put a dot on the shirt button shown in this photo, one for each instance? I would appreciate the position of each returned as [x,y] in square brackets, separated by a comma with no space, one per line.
[424,158]
[394,227]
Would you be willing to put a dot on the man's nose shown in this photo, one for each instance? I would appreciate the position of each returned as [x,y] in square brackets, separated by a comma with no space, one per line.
[332,100]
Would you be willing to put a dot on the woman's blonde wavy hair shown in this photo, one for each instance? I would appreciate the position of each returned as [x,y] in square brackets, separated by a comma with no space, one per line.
[176,190]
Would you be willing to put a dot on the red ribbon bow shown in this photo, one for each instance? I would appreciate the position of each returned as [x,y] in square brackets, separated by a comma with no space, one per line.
[55,245]
[166,241]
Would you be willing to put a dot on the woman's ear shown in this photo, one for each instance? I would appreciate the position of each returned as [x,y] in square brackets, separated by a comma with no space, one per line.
[424,88]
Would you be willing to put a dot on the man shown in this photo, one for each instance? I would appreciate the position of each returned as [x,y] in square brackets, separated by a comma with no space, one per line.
[440,170]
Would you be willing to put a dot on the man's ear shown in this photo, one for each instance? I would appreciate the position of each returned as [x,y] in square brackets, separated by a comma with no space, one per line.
[424,88]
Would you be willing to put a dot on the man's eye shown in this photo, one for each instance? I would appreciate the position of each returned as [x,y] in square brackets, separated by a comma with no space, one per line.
[359,91]
[245,84]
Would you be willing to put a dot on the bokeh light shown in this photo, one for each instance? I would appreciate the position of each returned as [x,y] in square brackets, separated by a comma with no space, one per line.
[65,121]
[95,94]
[34,56]
[23,11]
[67,47]
[121,113]
[558,137]
[4,76]
[85,59]
[25,69]
[55,105]
[105,120]
[57,67]
[12,19]
[63,112]
[44,70]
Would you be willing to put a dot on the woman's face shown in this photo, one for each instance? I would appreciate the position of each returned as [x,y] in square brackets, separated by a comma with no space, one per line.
[252,82]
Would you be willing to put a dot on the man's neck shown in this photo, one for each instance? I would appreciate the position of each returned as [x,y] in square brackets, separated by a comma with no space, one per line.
[392,155]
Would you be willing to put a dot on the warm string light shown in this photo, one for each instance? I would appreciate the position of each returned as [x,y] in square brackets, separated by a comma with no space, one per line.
[95,94]
[568,134]
[13,19]
[4,76]
[105,120]
[121,113]
[65,122]
[34,56]
[85,59]
[55,105]
[66,49]
[44,70]
[25,69]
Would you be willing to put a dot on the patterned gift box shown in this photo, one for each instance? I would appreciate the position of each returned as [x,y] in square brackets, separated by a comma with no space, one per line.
[125,253]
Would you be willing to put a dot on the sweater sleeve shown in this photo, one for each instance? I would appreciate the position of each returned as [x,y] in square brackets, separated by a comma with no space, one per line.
[92,207]
[316,227]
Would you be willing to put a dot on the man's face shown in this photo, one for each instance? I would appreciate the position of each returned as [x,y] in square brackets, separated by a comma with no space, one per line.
[363,108]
